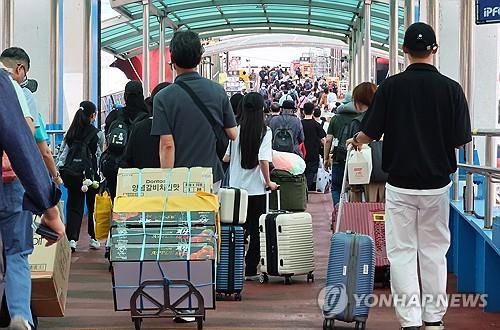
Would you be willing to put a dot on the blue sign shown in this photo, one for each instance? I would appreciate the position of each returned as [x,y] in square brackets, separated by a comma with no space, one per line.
[487,11]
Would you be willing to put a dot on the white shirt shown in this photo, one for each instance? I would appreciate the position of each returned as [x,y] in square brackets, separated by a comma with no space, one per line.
[250,180]
[286,97]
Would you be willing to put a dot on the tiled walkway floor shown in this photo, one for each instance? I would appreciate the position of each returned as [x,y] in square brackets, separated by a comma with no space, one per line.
[270,306]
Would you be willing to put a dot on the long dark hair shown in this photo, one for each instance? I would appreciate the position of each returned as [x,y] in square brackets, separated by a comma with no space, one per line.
[252,129]
[80,122]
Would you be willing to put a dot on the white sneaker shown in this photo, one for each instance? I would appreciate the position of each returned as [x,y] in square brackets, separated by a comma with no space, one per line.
[72,245]
[18,323]
[434,326]
[94,244]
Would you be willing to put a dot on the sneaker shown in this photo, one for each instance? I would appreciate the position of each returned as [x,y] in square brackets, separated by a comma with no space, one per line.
[434,325]
[410,328]
[184,319]
[94,244]
[18,323]
[72,245]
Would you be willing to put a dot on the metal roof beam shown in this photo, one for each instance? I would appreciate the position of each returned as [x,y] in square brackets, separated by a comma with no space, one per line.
[137,49]
[114,21]
[119,3]
[208,3]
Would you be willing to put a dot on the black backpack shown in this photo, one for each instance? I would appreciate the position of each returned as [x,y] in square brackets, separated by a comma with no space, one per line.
[283,138]
[81,162]
[113,155]
[351,126]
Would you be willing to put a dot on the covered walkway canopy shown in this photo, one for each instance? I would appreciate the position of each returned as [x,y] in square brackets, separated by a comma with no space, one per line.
[332,19]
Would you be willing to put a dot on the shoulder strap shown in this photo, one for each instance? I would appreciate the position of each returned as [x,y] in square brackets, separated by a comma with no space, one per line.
[90,136]
[203,108]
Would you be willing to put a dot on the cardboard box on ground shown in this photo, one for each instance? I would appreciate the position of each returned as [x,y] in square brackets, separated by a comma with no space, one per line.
[49,277]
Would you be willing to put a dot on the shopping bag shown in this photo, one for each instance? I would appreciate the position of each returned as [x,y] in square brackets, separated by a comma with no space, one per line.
[360,166]
[290,162]
[323,179]
[102,215]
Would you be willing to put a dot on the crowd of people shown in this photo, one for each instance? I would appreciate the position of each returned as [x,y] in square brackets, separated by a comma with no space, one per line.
[421,114]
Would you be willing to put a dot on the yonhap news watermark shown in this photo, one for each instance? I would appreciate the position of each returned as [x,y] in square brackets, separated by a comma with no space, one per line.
[333,300]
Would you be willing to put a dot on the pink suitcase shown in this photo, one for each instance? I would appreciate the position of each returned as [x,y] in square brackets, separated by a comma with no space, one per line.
[368,219]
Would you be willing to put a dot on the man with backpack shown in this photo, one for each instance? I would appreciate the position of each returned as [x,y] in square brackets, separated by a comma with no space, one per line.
[342,127]
[287,129]
[119,125]
[314,139]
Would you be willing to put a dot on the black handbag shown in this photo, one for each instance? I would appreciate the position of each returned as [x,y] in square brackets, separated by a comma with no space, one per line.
[378,174]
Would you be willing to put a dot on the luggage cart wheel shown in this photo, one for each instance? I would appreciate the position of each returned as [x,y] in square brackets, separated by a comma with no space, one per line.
[237,297]
[263,278]
[138,324]
[199,321]
[328,324]
[288,280]
[360,325]
[310,277]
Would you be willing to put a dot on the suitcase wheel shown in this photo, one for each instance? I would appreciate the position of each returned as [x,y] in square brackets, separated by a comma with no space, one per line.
[263,278]
[328,324]
[387,278]
[288,280]
[360,326]
[310,277]
[237,297]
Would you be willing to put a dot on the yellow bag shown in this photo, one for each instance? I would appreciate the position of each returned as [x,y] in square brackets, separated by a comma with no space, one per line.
[102,215]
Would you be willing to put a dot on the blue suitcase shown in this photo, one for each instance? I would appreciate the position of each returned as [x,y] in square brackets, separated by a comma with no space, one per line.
[230,269]
[350,274]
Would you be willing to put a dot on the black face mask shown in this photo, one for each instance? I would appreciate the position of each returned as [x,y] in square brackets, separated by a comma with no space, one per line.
[30,84]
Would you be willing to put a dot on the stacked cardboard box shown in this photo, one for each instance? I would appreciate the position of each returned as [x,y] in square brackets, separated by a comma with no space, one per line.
[164,227]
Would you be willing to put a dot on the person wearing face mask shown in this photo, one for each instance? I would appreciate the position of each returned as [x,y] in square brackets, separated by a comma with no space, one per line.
[81,150]
[18,63]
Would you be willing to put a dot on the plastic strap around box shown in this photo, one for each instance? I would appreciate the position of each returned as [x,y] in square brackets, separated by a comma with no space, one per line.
[168,179]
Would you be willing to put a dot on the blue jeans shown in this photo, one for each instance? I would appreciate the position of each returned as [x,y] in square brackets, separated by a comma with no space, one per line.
[337,177]
[17,235]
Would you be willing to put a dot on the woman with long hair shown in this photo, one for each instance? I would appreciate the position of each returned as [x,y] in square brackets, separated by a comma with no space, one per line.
[80,152]
[249,156]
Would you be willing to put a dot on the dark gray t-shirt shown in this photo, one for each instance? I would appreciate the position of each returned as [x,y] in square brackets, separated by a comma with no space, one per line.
[176,114]
[295,125]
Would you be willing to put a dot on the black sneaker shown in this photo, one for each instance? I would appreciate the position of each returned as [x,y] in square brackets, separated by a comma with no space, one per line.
[410,328]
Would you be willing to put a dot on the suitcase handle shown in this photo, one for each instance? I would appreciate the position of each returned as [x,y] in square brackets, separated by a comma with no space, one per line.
[268,194]
[344,198]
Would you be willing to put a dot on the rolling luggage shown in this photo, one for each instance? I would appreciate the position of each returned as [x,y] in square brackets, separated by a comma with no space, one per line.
[286,244]
[293,189]
[350,274]
[233,205]
[230,269]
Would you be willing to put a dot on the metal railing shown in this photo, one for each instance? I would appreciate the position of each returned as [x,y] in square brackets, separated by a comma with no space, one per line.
[490,172]
[52,140]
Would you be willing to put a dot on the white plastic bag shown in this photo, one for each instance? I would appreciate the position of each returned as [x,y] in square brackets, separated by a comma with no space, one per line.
[286,161]
[359,166]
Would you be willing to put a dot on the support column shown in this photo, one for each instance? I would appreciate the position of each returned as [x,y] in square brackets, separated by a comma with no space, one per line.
[394,38]
[55,60]
[162,50]
[350,42]
[367,54]
[87,25]
[145,47]
[467,81]
[359,52]
[433,18]
[409,18]
[7,23]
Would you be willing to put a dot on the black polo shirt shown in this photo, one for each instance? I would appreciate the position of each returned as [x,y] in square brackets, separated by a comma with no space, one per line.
[423,116]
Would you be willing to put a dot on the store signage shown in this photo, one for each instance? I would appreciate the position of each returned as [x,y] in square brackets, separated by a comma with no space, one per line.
[487,11]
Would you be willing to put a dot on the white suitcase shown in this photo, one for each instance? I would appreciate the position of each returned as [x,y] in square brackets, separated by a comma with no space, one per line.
[286,244]
[233,205]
